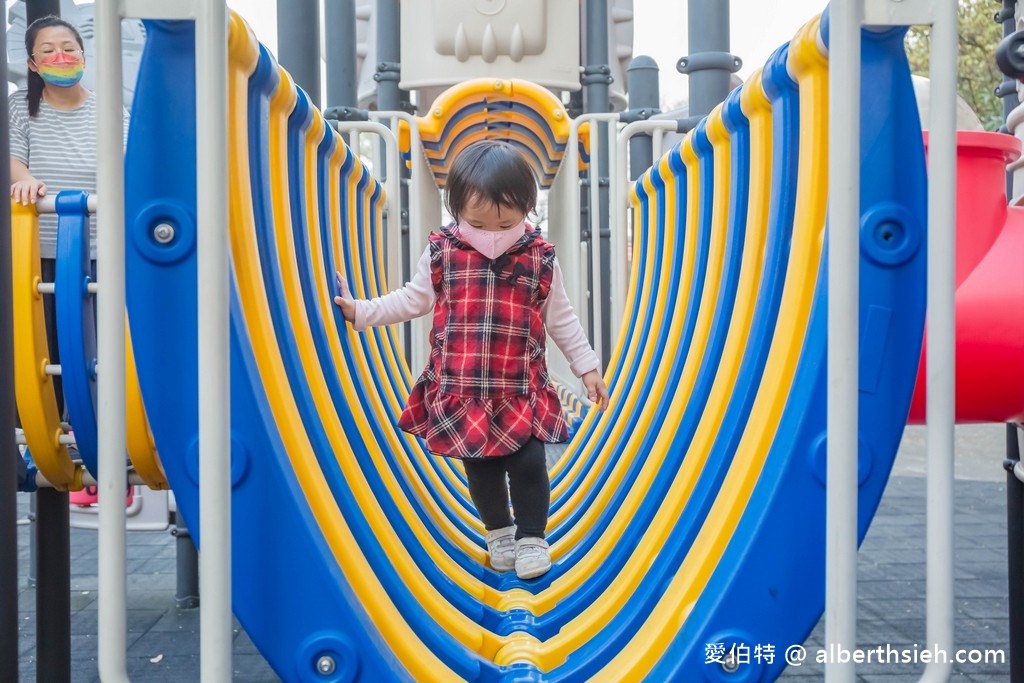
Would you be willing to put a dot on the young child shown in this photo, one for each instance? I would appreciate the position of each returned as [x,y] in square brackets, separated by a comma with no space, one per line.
[485,397]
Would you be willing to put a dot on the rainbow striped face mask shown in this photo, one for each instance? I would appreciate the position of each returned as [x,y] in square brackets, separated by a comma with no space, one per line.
[61,69]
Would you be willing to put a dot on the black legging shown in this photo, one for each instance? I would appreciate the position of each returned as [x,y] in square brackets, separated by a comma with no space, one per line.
[528,484]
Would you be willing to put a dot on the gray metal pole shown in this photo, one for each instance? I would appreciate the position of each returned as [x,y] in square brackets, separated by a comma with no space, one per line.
[9,455]
[1015,552]
[1007,89]
[298,43]
[596,80]
[342,79]
[53,532]
[34,9]
[53,591]
[644,100]
[388,55]
[1014,486]
[596,72]
[390,98]
[186,593]
[709,64]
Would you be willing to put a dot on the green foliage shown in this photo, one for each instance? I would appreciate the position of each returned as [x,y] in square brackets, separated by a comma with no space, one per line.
[978,73]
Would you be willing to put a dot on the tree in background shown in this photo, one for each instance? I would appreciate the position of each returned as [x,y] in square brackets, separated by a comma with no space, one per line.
[978,74]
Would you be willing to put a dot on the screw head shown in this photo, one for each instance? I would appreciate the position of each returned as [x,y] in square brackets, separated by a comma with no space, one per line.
[730,663]
[326,665]
[163,233]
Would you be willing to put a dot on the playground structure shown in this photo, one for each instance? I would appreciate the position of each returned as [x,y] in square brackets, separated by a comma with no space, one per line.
[693,512]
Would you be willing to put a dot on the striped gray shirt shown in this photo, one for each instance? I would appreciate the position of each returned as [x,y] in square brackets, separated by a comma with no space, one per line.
[59,148]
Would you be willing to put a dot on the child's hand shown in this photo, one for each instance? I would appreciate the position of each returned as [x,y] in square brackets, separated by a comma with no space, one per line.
[344,299]
[597,390]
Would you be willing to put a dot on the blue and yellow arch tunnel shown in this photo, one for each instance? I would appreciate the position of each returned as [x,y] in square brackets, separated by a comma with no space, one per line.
[691,513]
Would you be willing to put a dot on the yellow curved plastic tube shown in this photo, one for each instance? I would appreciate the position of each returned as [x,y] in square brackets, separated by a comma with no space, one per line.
[589,462]
[588,624]
[467,130]
[140,444]
[725,376]
[363,421]
[382,356]
[408,649]
[280,106]
[576,454]
[472,91]
[651,642]
[33,388]
[366,371]
[462,135]
[665,311]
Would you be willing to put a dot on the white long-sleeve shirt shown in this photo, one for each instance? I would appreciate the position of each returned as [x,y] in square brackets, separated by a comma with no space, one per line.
[417,298]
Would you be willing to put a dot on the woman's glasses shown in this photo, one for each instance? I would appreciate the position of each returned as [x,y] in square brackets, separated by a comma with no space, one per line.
[48,51]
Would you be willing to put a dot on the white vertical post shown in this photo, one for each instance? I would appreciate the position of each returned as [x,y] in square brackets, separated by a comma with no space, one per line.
[393,186]
[620,213]
[110,344]
[566,188]
[843,335]
[940,409]
[594,260]
[390,163]
[214,342]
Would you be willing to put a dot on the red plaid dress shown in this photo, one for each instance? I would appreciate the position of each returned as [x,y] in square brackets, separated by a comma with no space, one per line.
[485,389]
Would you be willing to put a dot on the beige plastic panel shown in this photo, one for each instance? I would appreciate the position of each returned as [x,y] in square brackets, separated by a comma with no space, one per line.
[448,41]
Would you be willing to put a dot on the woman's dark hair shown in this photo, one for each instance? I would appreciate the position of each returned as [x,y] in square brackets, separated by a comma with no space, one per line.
[493,171]
[35,81]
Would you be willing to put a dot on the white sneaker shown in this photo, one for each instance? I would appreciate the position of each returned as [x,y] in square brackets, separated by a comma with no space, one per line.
[532,558]
[501,545]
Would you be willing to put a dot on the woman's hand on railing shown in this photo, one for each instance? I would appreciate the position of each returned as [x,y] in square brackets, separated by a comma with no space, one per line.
[27,191]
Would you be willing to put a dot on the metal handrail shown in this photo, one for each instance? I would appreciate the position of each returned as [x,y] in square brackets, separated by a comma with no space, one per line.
[620,213]
[846,20]
[213,314]
[592,256]
[392,186]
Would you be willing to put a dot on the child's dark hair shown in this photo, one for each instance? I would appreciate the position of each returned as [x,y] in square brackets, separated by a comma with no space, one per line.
[35,81]
[493,171]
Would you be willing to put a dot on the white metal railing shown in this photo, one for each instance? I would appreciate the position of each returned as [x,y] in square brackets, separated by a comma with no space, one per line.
[392,186]
[418,227]
[578,259]
[844,297]
[110,409]
[48,204]
[847,18]
[213,256]
[621,216]
[589,257]
[210,18]
[424,216]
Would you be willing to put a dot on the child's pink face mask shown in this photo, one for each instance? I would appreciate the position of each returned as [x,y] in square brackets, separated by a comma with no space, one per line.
[491,243]
[60,68]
